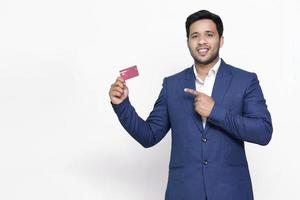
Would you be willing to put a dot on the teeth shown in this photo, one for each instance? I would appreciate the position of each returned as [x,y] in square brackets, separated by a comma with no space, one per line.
[203,50]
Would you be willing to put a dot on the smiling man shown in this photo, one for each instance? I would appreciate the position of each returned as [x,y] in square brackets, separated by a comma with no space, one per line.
[212,108]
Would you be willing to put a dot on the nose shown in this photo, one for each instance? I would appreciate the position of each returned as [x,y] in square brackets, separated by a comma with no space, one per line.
[202,40]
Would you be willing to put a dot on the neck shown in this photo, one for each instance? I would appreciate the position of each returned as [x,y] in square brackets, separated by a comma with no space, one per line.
[203,69]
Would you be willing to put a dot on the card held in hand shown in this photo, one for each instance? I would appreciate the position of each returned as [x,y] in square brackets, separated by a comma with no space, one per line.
[129,72]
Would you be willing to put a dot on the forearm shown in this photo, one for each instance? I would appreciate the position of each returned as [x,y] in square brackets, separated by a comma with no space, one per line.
[133,124]
[147,133]
[255,129]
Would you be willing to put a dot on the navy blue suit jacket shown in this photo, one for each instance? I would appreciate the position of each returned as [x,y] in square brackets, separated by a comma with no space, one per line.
[205,163]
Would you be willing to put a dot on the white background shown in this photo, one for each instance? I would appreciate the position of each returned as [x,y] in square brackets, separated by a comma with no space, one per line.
[59,137]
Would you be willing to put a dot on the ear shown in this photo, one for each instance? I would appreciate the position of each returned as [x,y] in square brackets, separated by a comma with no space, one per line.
[221,41]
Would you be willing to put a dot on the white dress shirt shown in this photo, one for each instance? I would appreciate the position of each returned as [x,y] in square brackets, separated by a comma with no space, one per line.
[206,86]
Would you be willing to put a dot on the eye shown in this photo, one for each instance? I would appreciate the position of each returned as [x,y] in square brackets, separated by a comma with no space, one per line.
[194,36]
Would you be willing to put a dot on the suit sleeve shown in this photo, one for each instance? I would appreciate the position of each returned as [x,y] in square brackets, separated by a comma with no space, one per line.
[254,124]
[147,132]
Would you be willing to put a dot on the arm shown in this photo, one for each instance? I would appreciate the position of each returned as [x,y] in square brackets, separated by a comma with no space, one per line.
[151,131]
[254,125]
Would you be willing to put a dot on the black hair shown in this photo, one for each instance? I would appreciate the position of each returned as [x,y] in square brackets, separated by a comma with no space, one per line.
[204,14]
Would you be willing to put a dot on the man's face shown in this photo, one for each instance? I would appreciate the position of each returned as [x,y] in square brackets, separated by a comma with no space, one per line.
[204,42]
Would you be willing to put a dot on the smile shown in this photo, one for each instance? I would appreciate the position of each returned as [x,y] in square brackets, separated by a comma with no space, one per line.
[202,51]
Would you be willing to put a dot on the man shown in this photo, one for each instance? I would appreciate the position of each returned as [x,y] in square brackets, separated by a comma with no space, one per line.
[212,108]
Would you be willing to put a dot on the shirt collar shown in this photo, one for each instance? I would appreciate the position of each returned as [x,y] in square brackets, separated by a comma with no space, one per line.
[212,71]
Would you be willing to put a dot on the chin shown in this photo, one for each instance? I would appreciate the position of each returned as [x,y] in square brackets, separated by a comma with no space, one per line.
[204,62]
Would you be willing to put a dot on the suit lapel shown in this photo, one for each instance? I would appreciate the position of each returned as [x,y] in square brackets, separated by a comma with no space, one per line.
[189,82]
[221,84]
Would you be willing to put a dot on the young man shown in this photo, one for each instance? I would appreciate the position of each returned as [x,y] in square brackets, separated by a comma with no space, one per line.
[212,108]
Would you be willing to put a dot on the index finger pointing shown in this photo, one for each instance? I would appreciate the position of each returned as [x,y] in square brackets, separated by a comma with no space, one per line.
[191,91]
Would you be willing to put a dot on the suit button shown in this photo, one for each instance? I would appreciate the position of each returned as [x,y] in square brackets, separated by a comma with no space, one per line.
[204,140]
[205,162]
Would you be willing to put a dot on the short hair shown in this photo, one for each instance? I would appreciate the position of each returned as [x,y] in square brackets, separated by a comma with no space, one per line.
[204,14]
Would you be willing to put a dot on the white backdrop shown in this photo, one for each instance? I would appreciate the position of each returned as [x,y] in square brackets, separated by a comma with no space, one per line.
[59,137]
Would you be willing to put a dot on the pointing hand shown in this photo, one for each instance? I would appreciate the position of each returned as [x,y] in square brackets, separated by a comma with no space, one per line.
[203,103]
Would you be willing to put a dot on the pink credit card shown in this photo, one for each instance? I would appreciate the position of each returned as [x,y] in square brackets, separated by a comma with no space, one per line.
[129,72]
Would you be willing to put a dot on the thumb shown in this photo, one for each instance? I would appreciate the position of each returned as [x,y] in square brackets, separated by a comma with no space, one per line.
[191,91]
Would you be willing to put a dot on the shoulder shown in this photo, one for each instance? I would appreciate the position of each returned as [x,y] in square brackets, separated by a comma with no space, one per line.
[185,73]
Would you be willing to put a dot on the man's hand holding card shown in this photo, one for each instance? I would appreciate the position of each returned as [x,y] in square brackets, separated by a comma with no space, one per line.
[118,90]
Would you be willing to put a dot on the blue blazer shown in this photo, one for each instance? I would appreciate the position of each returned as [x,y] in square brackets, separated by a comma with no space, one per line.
[205,163]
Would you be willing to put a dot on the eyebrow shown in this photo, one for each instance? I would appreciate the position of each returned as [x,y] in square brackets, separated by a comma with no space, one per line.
[208,31]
